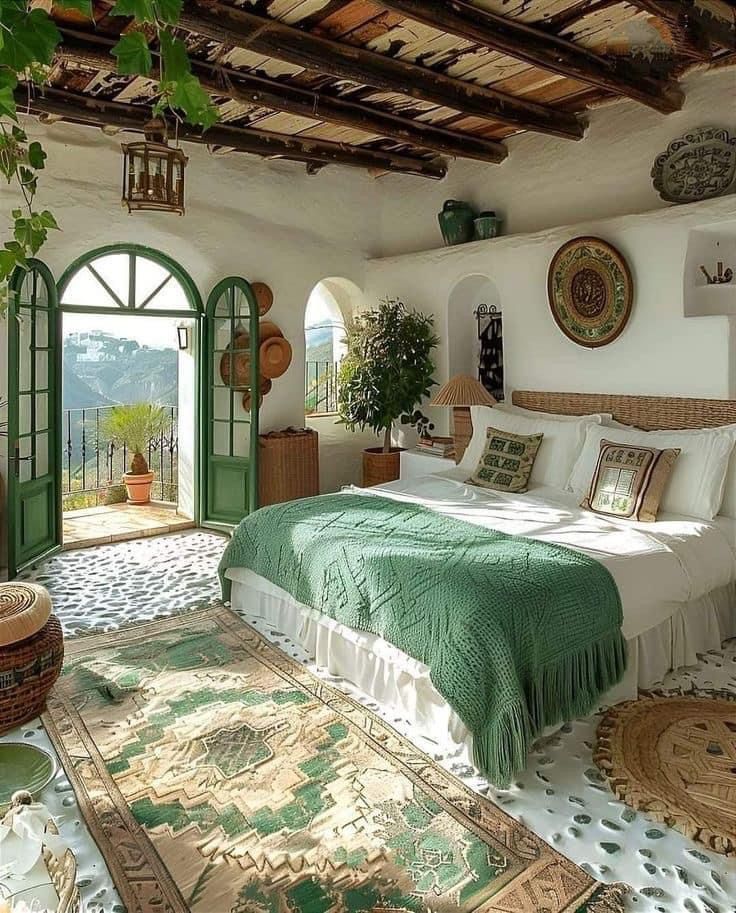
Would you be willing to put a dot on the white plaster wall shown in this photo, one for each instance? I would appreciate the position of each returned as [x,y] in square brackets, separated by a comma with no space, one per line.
[266,221]
[660,352]
[547,181]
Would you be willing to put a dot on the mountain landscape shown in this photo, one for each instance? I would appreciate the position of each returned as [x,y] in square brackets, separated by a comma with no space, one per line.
[101,369]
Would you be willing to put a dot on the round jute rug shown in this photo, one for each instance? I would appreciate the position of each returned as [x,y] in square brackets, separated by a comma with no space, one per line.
[675,759]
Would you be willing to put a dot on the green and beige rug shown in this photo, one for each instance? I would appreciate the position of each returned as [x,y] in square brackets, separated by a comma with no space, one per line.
[220,776]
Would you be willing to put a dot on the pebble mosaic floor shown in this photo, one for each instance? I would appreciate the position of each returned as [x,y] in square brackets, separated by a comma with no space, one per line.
[561,796]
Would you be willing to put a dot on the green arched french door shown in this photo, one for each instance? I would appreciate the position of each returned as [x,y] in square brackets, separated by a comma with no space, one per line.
[34,521]
[231,385]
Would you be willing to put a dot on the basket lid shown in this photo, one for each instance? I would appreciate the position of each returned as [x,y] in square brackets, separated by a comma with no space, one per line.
[24,609]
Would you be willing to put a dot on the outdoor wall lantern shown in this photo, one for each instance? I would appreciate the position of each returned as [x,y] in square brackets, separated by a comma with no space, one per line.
[183,334]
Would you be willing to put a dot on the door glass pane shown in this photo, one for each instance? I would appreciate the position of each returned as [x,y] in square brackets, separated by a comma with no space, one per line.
[25,327]
[221,438]
[41,293]
[42,371]
[42,324]
[241,439]
[24,413]
[221,404]
[25,468]
[42,455]
[42,411]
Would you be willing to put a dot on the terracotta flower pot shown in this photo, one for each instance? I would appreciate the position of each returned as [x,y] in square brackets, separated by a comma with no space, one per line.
[138,487]
[380,467]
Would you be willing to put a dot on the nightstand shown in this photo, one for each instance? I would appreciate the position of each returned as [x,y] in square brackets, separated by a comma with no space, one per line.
[416,463]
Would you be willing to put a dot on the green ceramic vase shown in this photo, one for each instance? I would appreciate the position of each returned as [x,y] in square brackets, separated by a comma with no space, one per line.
[486,225]
[456,222]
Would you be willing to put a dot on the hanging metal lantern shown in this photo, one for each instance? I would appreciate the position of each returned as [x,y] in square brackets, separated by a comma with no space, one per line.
[153,173]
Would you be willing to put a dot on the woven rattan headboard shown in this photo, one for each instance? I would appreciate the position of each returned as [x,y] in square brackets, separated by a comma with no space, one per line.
[651,413]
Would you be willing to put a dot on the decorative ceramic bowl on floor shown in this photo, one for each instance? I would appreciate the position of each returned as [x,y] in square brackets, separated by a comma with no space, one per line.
[24,767]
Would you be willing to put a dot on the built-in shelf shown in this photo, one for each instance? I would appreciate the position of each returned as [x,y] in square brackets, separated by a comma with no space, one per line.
[715,300]
[706,246]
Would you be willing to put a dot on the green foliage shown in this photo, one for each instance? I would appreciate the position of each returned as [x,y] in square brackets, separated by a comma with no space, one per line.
[134,425]
[388,367]
[28,41]
[133,54]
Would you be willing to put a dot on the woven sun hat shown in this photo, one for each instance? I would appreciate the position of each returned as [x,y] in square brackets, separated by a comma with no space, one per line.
[24,610]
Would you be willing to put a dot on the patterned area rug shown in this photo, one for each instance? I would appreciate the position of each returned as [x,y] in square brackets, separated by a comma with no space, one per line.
[217,774]
[675,758]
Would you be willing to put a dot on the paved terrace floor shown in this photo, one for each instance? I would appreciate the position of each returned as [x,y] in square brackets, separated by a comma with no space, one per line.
[117,522]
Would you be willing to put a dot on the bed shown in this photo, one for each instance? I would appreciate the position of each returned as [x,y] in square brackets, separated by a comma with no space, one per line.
[692,608]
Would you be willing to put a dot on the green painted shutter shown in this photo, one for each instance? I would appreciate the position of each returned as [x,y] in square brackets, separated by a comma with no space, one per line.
[34,514]
[230,471]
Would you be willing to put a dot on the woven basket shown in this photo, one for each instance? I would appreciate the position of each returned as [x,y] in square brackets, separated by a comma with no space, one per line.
[380,467]
[288,466]
[28,670]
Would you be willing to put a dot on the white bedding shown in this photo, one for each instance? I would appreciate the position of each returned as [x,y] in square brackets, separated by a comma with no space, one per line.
[655,565]
[676,579]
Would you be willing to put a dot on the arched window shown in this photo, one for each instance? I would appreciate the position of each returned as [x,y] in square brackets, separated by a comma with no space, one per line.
[330,305]
[130,278]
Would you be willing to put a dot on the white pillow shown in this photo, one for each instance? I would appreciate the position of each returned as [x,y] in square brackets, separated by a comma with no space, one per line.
[728,506]
[598,417]
[695,487]
[557,453]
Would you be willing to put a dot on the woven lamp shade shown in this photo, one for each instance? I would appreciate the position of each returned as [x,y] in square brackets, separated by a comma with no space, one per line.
[463,390]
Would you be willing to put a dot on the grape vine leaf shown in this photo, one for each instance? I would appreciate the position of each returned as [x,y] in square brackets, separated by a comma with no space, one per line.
[133,54]
[31,36]
[141,10]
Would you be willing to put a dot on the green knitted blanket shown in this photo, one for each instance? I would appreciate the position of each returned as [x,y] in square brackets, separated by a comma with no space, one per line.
[518,634]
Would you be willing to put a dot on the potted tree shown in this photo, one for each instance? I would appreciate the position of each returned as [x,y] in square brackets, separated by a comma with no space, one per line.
[135,426]
[387,370]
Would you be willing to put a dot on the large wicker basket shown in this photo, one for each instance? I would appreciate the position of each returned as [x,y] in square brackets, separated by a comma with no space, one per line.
[30,665]
[288,465]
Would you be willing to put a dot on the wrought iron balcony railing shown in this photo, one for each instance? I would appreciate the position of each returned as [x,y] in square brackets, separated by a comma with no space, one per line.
[92,467]
[321,387]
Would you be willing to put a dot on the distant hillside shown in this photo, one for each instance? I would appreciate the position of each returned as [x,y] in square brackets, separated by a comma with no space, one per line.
[77,392]
[319,344]
[125,373]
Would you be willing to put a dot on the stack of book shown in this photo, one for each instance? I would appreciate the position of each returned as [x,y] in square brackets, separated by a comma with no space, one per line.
[438,446]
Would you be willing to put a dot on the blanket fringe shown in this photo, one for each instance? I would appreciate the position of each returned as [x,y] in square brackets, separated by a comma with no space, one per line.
[567,688]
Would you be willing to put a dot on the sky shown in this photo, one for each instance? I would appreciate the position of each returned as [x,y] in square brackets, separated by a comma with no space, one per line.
[155,332]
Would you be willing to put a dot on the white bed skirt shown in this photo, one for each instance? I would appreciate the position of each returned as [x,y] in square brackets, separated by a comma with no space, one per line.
[396,680]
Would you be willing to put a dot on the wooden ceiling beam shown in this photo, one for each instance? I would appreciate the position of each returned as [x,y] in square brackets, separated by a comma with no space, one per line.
[238,28]
[94,50]
[540,49]
[85,109]
[703,21]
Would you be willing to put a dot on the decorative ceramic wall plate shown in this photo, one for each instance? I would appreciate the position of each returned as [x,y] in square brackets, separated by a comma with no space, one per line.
[590,291]
[697,166]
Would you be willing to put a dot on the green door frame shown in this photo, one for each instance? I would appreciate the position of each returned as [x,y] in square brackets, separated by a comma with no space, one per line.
[51,543]
[196,313]
[210,459]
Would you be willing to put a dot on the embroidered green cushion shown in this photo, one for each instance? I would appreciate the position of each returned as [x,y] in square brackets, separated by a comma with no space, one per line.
[507,461]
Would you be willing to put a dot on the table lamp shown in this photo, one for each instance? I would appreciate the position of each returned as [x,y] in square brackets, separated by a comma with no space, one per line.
[461,392]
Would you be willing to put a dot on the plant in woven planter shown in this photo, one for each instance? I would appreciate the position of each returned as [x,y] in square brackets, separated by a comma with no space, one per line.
[135,426]
[386,372]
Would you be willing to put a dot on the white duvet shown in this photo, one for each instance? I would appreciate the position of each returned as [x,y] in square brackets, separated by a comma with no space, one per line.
[656,566]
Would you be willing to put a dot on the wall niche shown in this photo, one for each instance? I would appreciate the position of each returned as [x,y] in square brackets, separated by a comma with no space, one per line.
[707,247]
